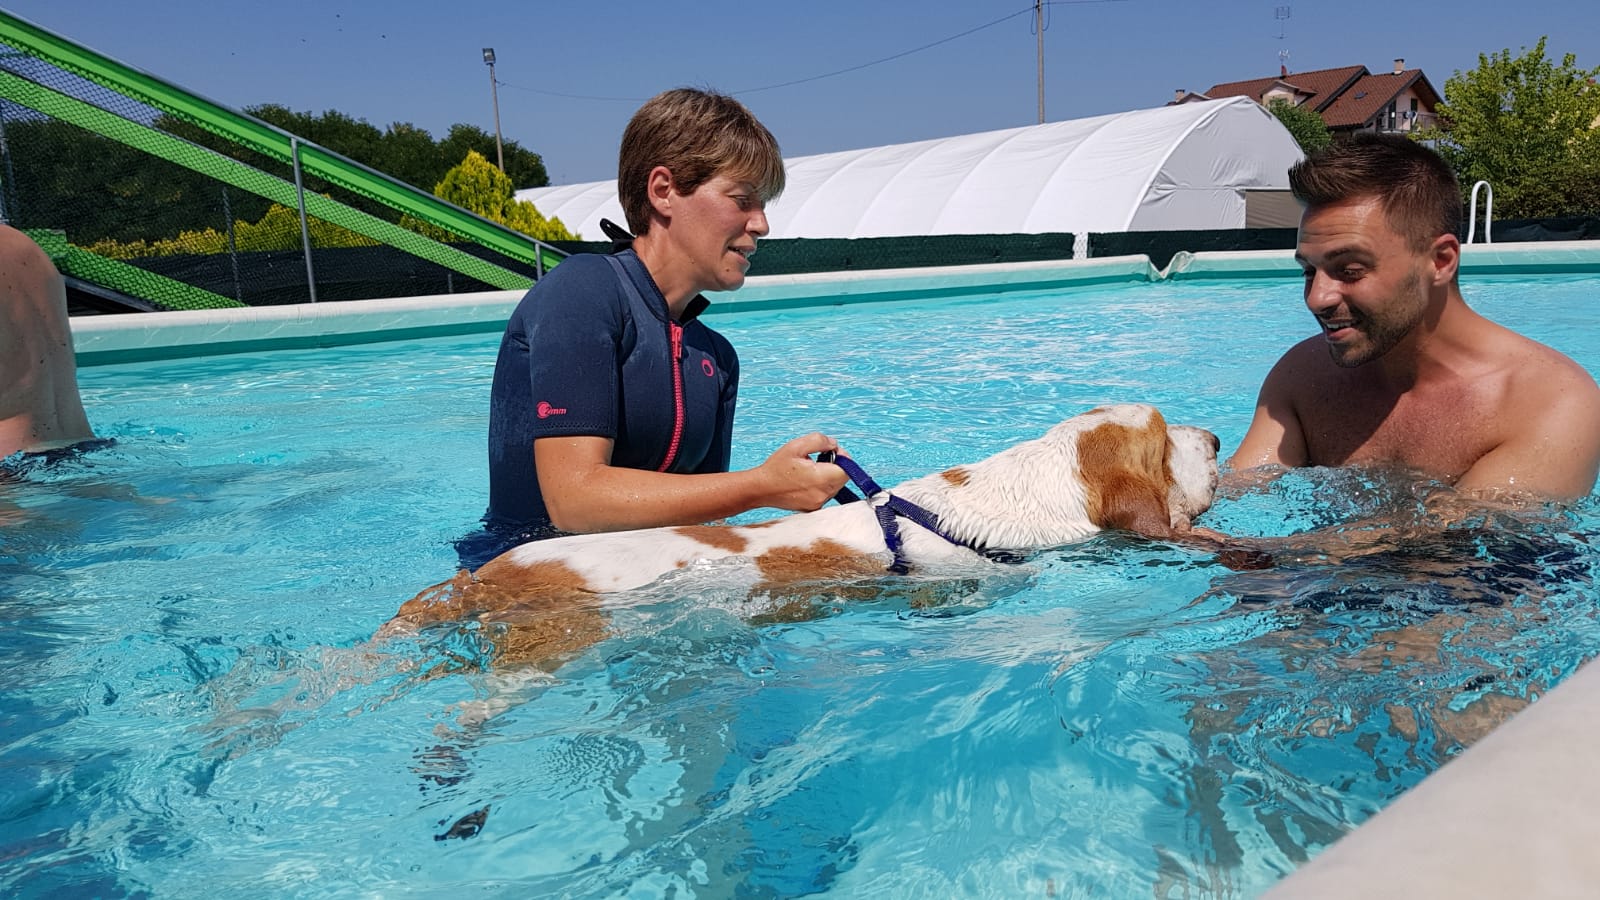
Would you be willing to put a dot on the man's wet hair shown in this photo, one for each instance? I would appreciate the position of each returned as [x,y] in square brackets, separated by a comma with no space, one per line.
[1419,192]
[697,135]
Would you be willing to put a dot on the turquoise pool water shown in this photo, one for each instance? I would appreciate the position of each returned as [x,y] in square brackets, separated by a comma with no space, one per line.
[188,709]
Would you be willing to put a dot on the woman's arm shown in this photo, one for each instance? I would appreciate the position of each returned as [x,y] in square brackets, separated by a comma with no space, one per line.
[583,492]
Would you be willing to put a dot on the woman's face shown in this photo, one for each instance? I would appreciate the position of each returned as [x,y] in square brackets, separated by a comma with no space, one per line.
[716,227]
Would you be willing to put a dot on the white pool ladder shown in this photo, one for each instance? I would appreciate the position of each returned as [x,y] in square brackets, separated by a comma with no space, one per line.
[1488,212]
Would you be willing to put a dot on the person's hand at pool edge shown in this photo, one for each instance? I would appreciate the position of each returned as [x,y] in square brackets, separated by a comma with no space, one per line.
[584,493]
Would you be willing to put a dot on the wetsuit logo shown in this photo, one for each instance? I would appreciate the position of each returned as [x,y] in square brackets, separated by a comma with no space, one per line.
[706,367]
[545,410]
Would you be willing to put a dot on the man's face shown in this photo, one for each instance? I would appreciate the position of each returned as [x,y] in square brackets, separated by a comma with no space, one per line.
[1365,284]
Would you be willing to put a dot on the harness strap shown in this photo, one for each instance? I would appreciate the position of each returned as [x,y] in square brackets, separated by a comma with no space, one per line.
[887,508]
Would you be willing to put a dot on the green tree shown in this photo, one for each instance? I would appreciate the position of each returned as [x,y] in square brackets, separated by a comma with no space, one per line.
[524,167]
[476,185]
[1527,126]
[1307,128]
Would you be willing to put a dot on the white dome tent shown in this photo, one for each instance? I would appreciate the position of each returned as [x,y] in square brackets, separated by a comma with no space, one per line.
[1170,168]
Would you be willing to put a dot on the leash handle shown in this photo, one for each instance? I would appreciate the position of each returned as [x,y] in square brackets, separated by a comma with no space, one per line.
[845,495]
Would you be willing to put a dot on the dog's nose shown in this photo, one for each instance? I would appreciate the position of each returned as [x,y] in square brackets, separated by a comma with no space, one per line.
[1216,444]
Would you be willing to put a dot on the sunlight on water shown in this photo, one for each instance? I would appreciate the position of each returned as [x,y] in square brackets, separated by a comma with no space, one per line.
[194,705]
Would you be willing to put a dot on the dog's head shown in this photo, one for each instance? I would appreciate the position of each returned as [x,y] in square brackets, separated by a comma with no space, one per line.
[1115,467]
[1192,469]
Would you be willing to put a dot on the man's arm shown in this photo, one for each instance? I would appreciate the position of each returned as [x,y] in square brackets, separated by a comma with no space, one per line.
[1553,448]
[39,402]
[1275,436]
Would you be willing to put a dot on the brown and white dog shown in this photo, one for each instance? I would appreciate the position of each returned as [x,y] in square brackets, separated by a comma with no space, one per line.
[1117,467]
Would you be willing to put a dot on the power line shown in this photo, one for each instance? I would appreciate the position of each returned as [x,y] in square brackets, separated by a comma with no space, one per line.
[1028,10]
[885,59]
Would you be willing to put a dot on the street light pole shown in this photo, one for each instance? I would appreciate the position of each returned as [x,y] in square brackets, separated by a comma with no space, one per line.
[1038,28]
[494,94]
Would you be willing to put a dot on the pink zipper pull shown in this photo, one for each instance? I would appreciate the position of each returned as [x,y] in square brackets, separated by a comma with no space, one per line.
[676,332]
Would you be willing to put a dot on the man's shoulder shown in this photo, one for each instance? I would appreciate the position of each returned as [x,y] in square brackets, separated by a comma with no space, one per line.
[1303,367]
[1537,365]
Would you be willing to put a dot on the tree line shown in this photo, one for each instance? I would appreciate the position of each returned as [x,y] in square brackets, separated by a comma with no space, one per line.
[57,175]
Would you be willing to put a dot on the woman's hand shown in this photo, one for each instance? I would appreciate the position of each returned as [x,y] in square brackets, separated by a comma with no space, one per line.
[798,482]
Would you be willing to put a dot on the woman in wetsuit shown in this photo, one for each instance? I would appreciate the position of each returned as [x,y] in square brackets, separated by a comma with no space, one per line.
[612,405]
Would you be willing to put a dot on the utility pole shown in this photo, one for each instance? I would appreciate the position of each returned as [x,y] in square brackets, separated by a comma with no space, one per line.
[1038,28]
[494,94]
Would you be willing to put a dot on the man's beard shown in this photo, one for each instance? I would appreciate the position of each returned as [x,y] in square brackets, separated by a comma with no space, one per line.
[1383,334]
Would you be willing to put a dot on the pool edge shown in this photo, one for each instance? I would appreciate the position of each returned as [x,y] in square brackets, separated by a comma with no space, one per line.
[1512,816]
[132,337]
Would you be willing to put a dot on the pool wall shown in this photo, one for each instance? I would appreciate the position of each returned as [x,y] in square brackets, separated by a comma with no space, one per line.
[140,336]
[1517,814]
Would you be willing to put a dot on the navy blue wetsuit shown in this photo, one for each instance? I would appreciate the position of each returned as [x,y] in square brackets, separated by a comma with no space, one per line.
[589,351]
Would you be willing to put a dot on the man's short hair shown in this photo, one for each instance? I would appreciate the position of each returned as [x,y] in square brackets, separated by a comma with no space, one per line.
[1419,193]
[697,135]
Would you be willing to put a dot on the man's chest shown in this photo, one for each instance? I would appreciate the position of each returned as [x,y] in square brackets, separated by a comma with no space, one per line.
[1440,431]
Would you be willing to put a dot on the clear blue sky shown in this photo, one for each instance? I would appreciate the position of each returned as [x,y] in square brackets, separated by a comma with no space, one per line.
[572,72]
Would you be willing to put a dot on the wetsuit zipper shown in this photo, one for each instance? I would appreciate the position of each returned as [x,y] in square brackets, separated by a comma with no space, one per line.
[676,332]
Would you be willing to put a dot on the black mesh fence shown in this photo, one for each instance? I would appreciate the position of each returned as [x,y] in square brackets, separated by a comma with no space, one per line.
[142,203]
[1564,228]
[1161,246]
[792,256]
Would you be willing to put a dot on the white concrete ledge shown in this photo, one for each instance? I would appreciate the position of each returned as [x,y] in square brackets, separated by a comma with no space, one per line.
[1235,264]
[1516,815]
[135,336]
[168,335]
[1530,258]
[138,336]
[834,288]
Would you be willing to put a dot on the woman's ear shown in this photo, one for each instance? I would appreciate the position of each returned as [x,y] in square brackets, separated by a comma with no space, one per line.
[659,188]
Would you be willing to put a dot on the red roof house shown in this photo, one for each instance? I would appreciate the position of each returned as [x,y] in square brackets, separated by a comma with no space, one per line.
[1349,99]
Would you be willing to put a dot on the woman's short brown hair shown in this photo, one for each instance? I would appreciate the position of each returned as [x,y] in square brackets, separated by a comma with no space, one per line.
[1419,193]
[697,135]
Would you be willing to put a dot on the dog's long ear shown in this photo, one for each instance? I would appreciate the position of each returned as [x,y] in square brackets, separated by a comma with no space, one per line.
[1124,469]
[1131,501]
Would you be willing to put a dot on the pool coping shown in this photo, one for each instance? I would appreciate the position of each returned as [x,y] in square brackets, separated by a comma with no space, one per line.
[1515,815]
[133,337]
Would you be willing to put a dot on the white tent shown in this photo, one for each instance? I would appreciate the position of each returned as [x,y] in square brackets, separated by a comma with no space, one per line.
[1169,168]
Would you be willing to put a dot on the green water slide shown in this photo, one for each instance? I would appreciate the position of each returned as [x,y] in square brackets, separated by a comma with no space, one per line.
[265,139]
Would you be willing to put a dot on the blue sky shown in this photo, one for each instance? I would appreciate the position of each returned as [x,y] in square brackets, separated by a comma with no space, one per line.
[571,73]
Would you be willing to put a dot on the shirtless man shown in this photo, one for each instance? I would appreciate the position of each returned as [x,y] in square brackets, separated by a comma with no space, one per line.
[1405,374]
[39,404]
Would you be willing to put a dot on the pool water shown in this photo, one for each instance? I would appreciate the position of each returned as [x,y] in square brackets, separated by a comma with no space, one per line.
[190,706]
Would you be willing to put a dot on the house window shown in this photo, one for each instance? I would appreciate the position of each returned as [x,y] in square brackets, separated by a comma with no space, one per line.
[1387,123]
[1411,120]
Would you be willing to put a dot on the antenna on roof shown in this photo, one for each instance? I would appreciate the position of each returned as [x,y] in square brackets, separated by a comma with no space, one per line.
[1281,13]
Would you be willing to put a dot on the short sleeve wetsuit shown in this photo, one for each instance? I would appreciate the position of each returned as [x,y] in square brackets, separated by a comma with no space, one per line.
[590,351]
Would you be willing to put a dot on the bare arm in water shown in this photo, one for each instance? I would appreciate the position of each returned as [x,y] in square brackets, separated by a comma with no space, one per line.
[39,403]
